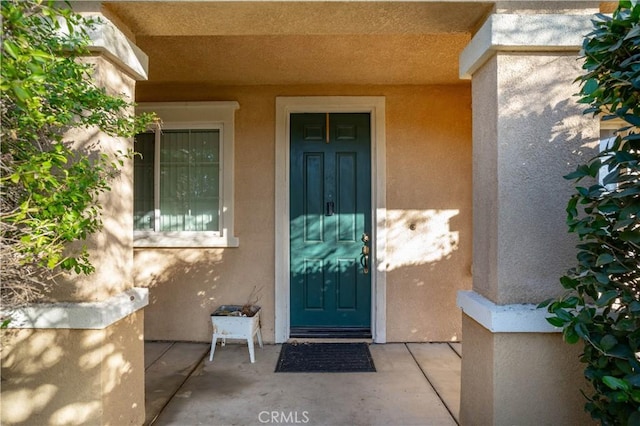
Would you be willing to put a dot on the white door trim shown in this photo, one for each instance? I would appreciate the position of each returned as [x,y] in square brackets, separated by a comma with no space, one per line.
[375,105]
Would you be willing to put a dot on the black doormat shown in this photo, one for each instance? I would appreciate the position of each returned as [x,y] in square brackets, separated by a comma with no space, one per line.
[325,358]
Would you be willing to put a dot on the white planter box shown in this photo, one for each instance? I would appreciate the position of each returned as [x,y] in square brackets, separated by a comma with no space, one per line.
[227,326]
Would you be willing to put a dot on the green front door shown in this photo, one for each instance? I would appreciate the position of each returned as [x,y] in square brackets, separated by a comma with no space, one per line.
[330,211]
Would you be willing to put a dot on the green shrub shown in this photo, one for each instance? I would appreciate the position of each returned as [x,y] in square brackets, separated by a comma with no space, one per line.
[49,190]
[601,307]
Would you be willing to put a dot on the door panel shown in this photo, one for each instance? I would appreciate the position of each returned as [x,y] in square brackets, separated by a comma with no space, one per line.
[313,284]
[313,178]
[330,210]
[347,292]
[346,187]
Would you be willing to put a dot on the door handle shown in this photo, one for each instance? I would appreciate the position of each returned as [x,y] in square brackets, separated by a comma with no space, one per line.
[364,258]
[364,261]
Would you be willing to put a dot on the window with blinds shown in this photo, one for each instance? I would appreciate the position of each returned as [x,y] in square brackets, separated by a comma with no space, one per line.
[186,194]
[183,176]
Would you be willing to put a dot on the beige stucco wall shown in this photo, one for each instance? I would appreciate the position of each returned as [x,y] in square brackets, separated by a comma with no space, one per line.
[543,390]
[73,377]
[62,376]
[109,249]
[476,375]
[537,135]
[520,378]
[485,177]
[428,184]
[528,132]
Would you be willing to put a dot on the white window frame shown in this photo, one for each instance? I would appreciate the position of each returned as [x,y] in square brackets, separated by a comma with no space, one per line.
[196,115]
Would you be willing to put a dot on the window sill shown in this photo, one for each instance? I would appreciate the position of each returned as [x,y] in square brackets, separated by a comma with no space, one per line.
[142,239]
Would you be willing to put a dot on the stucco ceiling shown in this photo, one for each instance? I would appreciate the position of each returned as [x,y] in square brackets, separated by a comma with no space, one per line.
[245,42]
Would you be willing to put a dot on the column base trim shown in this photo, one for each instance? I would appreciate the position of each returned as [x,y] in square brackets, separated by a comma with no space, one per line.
[78,315]
[516,318]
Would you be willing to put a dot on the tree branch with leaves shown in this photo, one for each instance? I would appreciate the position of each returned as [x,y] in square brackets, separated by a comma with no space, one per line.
[49,190]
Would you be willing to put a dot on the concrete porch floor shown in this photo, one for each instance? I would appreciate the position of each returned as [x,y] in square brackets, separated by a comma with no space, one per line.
[415,384]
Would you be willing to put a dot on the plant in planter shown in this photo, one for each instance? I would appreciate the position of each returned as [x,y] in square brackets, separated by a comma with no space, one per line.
[237,322]
[601,307]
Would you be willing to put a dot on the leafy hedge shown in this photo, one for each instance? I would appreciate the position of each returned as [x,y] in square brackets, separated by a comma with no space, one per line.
[49,190]
[601,307]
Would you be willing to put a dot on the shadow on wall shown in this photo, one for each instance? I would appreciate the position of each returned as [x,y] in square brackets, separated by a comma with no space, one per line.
[540,142]
[164,266]
[427,262]
[186,285]
[62,376]
[109,248]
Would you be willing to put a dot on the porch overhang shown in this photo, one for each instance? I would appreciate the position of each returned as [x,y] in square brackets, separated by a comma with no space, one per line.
[296,43]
